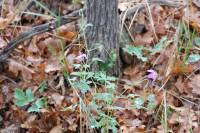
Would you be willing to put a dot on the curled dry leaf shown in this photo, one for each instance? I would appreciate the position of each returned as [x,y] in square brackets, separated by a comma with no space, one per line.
[28,123]
[145,39]
[2,43]
[52,65]
[16,68]
[187,118]
[181,86]
[57,129]
[194,84]
[67,31]
[57,98]
[51,46]
[33,48]
[192,17]
[34,60]
[196,2]
[131,125]
[14,128]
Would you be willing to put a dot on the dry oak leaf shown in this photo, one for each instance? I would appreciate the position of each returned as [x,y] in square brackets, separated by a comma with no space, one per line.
[56,129]
[52,65]
[2,43]
[16,68]
[181,86]
[57,98]
[187,118]
[194,84]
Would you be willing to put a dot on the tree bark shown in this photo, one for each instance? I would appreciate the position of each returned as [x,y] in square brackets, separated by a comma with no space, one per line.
[102,15]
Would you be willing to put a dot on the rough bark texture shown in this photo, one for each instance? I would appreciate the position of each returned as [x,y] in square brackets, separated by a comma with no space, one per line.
[103,16]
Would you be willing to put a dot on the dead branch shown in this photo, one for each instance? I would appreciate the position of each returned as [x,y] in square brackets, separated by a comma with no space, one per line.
[4,54]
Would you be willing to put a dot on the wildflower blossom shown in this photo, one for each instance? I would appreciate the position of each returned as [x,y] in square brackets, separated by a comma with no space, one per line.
[152,75]
[81,57]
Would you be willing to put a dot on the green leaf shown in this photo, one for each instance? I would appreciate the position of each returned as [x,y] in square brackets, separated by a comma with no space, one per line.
[107,97]
[79,74]
[19,94]
[40,103]
[21,102]
[110,87]
[159,46]
[23,98]
[42,87]
[82,86]
[109,63]
[151,101]
[193,58]
[93,123]
[197,41]
[34,108]
[102,77]
[137,51]
[151,98]
[138,102]
[29,95]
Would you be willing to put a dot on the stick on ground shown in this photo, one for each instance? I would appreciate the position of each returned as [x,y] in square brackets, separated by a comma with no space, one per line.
[4,54]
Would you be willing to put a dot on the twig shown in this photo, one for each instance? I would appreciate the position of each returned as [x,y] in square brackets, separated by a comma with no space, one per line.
[141,6]
[37,30]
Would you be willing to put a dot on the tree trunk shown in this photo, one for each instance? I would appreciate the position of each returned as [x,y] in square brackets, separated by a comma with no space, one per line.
[103,29]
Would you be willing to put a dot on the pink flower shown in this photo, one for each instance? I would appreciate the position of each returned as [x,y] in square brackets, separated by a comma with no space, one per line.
[81,57]
[152,75]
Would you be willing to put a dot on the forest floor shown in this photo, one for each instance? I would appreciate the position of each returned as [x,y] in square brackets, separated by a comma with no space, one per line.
[46,87]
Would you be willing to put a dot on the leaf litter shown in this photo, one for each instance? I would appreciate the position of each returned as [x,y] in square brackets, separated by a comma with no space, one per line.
[140,105]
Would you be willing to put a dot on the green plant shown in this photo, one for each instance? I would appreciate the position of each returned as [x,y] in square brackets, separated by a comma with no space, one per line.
[23,98]
[139,102]
[137,51]
[83,80]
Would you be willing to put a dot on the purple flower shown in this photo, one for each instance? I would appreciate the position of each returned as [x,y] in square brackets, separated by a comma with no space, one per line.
[152,75]
[81,57]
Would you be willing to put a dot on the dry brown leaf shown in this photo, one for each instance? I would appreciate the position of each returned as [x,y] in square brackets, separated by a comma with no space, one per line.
[57,98]
[57,129]
[68,27]
[34,60]
[145,39]
[195,84]
[33,48]
[51,46]
[192,17]
[130,125]
[181,86]
[186,117]
[67,35]
[2,43]
[27,123]
[1,99]
[52,65]
[196,2]
[11,12]
[16,68]
[13,128]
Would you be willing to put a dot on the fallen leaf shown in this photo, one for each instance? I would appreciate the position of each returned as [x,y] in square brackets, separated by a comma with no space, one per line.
[2,43]
[145,39]
[52,65]
[57,98]
[57,129]
[13,128]
[16,68]
[194,84]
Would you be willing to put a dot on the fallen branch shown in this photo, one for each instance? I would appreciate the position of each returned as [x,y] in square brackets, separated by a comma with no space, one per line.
[140,6]
[37,30]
